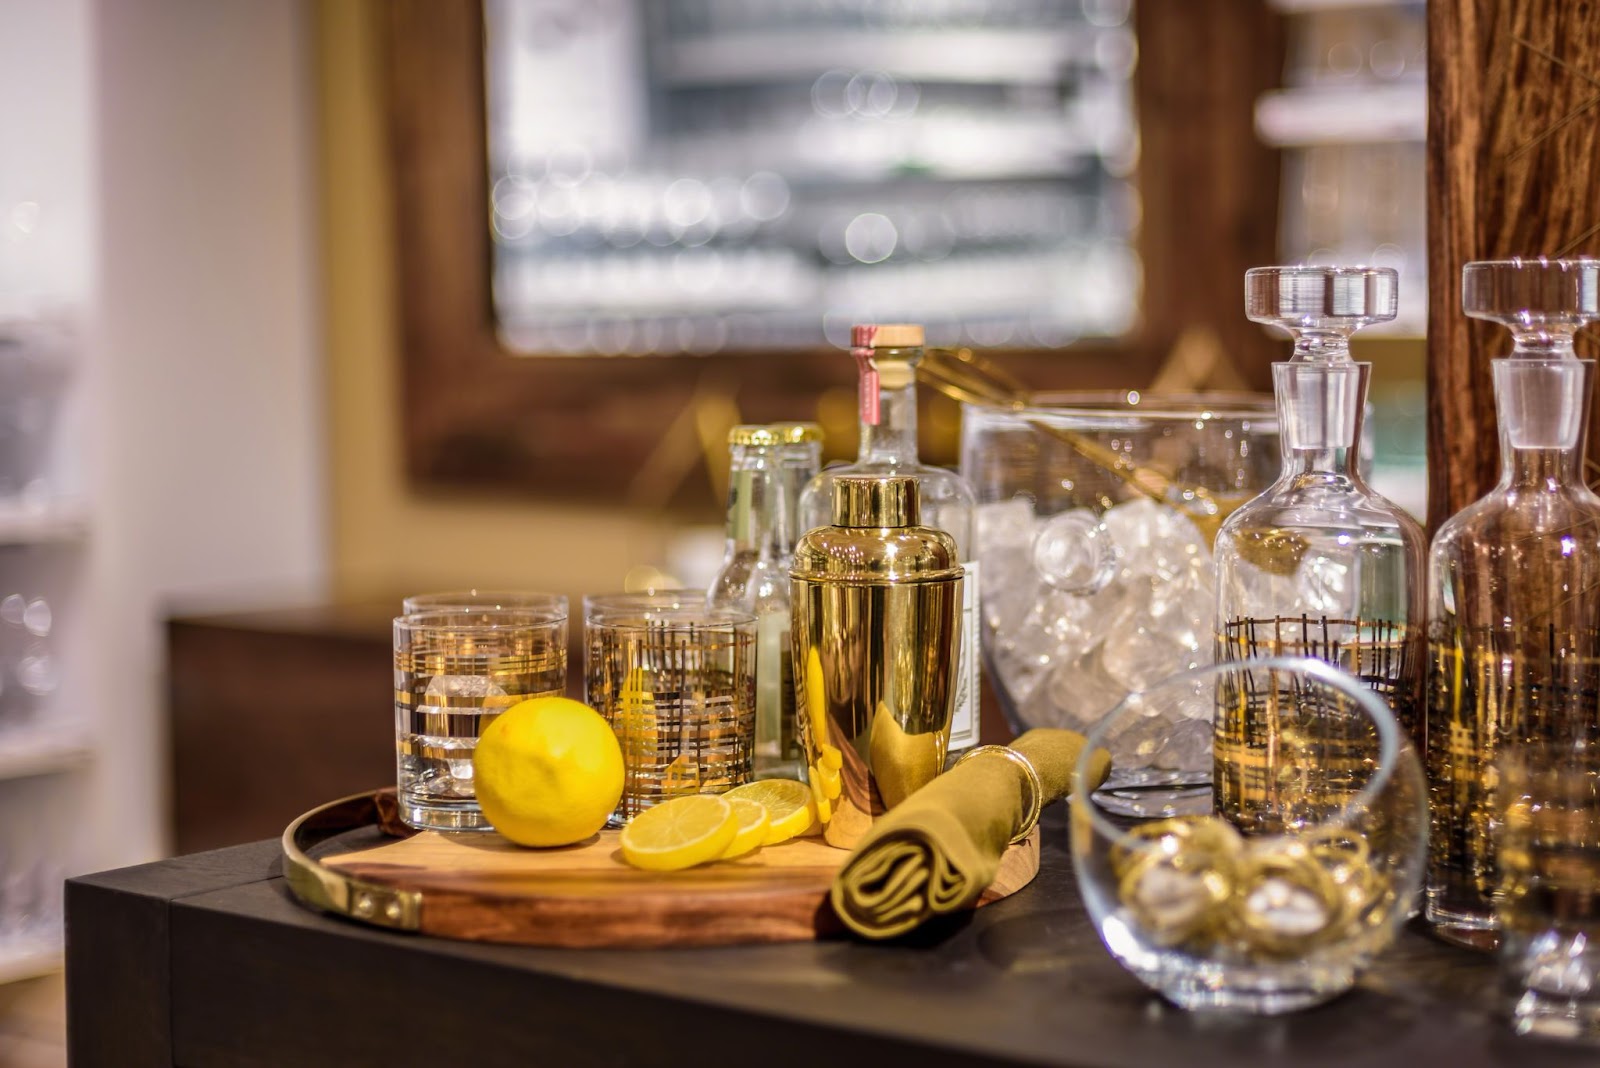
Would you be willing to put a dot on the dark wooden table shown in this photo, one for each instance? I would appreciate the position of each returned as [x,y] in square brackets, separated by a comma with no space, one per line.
[206,961]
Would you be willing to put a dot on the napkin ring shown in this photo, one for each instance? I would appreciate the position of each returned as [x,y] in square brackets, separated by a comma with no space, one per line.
[1029,772]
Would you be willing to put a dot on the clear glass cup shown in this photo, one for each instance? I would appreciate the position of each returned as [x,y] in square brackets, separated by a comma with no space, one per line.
[1547,904]
[455,670]
[549,604]
[677,682]
[1286,913]
[1096,514]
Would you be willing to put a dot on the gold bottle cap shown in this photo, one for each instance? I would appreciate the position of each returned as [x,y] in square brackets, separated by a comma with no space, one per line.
[797,433]
[876,501]
[754,434]
[774,434]
[886,336]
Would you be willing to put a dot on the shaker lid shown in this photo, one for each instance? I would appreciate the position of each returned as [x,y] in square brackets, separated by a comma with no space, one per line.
[875,537]
[882,501]
[886,336]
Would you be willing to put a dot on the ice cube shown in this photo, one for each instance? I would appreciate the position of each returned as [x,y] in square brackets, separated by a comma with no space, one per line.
[462,691]
[1081,692]
[1155,540]
[1140,745]
[1009,589]
[1004,525]
[1188,746]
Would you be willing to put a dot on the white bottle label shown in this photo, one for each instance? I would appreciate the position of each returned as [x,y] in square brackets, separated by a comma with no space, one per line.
[964,723]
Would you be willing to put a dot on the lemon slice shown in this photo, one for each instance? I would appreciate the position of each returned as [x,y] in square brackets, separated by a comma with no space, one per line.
[752,831]
[679,833]
[790,810]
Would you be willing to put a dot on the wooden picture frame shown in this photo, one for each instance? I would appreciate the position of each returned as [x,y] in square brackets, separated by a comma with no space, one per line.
[629,429]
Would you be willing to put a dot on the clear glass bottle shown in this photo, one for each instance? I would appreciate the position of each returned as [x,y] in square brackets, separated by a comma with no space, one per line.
[1513,579]
[1319,564]
[754,578]
[800,460]
[888,355]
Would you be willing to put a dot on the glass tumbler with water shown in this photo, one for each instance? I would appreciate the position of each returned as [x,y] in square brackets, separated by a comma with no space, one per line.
[677,682]
[454,671]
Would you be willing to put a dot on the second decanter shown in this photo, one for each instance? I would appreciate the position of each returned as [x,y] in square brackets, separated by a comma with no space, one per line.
[1319,564]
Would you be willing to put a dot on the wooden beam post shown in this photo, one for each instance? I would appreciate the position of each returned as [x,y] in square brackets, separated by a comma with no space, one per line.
[1513,170]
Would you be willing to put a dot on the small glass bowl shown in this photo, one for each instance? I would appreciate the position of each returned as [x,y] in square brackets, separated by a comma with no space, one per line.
[1287,913]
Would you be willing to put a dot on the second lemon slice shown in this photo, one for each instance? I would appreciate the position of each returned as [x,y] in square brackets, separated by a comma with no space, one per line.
[752,831]
[680,833]
[790,810]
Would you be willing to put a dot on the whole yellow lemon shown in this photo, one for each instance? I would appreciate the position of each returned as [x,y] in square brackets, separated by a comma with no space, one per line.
[548,772]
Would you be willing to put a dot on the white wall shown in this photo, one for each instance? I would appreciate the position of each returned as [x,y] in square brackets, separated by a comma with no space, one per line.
[170,145]
[207,342]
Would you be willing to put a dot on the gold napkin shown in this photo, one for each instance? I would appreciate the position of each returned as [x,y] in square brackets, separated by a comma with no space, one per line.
[940,849]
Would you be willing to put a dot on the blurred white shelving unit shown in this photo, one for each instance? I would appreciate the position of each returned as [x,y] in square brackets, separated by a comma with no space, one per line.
[29,959]
[186,459]
[1352,120]
[54,522]
[43,751]
[1359,115]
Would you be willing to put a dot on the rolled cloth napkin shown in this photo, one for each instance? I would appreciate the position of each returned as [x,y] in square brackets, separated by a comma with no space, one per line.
[938,850]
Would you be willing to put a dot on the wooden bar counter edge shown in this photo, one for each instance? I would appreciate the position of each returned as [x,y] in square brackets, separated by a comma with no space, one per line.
[206,961]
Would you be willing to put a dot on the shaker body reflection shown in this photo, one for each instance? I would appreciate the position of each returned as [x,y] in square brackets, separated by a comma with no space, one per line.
[876,632]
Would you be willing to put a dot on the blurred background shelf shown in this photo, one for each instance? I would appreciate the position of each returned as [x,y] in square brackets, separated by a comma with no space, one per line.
[27,752]
[998,56]
[1301,7]
[1364,115]
[54,521]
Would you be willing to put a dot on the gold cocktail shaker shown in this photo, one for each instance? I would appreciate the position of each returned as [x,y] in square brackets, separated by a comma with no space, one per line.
[876,603]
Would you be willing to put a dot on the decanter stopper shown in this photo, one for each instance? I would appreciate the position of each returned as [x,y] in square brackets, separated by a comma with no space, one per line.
[1541,301]
[1320,389]
[1321,306]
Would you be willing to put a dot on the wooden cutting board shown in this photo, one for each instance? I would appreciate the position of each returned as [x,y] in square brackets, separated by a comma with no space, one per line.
[482,888]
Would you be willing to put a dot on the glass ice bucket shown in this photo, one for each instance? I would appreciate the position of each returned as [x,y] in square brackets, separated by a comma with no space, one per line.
[1096,513]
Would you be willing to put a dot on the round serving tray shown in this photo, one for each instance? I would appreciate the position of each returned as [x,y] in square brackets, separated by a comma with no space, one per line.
[480,887]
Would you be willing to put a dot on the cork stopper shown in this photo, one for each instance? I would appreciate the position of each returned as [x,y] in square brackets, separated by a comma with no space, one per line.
[876,501]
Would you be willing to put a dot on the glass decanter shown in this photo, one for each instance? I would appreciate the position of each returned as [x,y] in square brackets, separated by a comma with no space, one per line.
[1513,580]
[1319,565]
[887,355]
